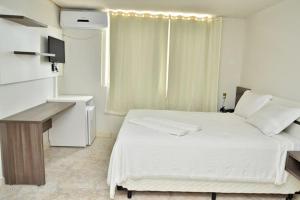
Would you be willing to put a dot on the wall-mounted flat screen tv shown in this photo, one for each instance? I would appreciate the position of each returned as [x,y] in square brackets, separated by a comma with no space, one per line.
[57,47]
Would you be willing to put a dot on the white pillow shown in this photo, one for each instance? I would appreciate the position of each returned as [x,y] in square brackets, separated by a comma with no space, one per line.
[274,118]
[250,103]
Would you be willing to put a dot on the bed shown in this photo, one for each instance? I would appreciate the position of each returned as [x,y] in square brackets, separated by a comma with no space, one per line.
[221,158]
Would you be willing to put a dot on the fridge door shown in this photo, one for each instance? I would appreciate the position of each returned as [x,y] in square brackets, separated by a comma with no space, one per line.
[91,115]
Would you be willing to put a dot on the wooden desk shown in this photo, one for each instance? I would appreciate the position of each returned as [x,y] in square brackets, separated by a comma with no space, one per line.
[22,143]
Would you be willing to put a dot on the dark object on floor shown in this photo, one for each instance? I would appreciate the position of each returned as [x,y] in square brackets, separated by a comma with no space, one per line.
[290,197]
[129,194]
[213,196]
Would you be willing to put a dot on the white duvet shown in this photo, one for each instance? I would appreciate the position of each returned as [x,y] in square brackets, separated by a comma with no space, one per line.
[226,149]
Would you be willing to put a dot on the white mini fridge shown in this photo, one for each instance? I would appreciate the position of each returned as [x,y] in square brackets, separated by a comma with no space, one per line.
[77,126]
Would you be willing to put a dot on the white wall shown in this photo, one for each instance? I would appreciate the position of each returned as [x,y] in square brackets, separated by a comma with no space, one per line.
[19,96]
[82,73]
[82,70]
[272,56]
[16,37]
[233,39]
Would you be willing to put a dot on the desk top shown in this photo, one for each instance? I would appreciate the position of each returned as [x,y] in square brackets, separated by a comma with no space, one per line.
[40,113]
[70,98]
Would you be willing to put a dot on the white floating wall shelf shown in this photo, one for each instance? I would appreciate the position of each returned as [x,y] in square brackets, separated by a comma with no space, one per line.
[23,20]
[34,53]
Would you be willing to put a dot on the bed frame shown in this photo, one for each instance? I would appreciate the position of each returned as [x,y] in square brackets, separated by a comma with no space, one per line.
[213,187]
[289,189]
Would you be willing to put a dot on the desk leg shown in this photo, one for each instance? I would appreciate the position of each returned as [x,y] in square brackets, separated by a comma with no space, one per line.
[22,153]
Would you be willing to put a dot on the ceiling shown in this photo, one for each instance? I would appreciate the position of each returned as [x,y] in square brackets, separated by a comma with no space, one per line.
[228,8]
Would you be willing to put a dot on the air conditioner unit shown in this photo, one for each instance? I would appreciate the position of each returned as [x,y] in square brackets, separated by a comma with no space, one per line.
[83,19]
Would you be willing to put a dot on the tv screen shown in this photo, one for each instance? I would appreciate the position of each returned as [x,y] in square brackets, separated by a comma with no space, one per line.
[57,47]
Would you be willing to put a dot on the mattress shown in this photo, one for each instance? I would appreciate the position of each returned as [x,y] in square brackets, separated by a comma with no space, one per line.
[227,149]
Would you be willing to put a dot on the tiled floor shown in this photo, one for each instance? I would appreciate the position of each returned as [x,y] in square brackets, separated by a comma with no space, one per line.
[80,174]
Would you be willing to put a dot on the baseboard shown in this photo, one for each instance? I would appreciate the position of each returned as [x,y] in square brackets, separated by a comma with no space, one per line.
[46,143]
[106,135]
[1,181]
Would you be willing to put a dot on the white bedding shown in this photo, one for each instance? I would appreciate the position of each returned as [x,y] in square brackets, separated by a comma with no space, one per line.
[226,149]
[166,126]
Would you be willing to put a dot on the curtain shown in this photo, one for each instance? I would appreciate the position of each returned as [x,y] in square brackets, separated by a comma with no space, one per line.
[194,64]
[138,60]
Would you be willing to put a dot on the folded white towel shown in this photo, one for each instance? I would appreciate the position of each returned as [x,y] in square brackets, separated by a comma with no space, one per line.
[159,127]
[174,124]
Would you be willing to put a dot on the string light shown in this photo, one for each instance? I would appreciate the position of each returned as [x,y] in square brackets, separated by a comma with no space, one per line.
[163,15]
